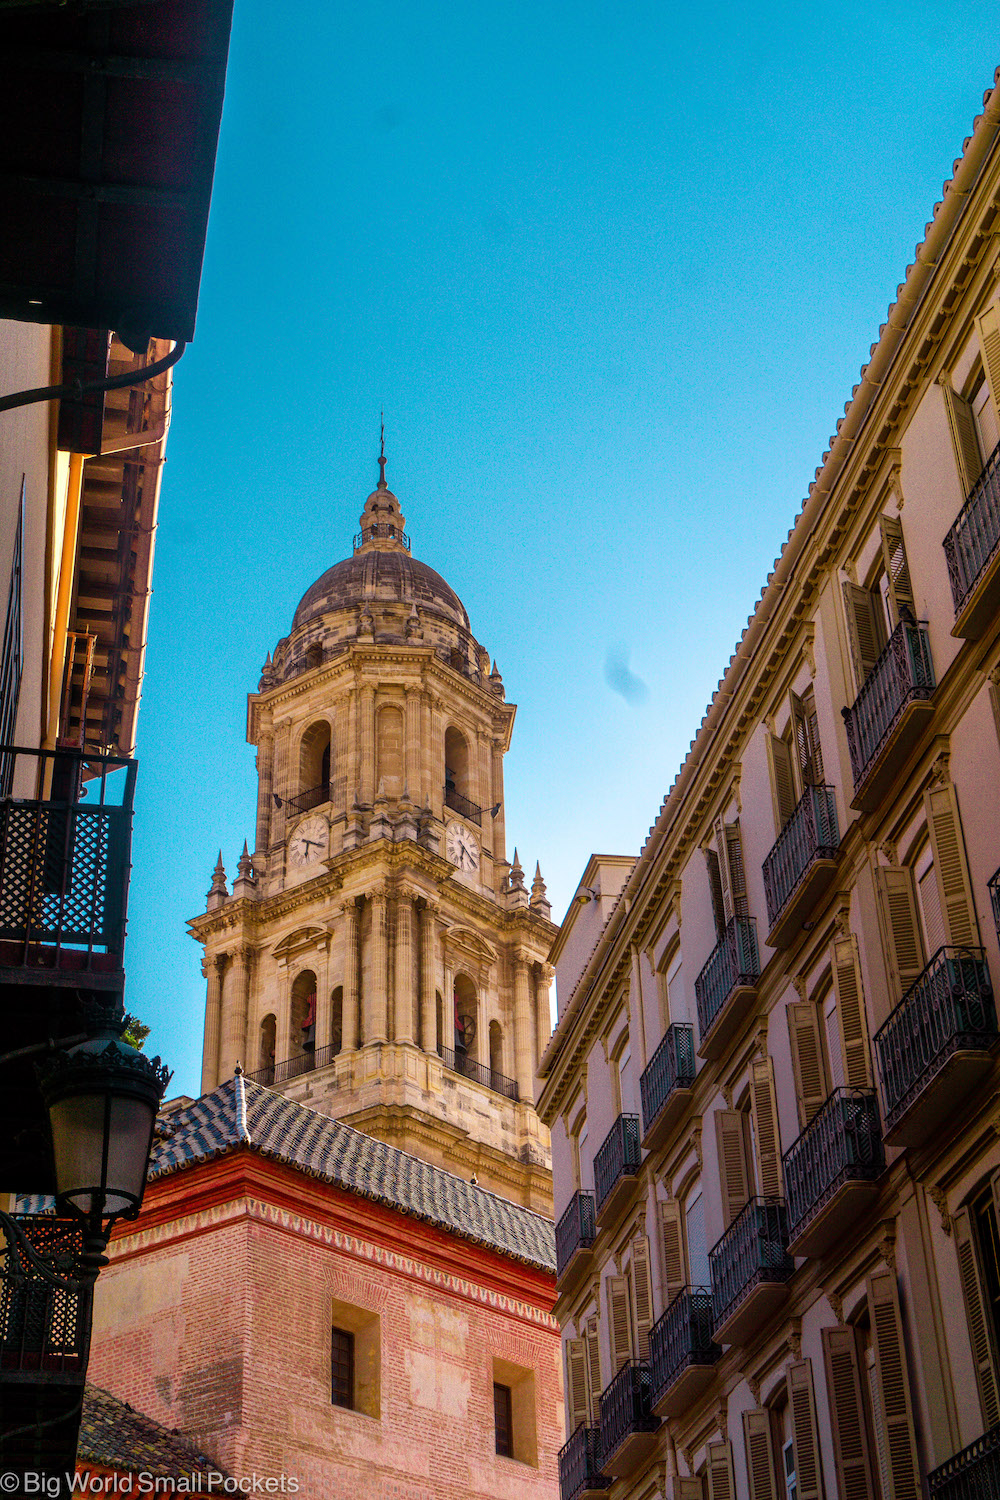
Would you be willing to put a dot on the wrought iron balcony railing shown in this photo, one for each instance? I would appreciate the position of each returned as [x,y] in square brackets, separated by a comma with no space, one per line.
[462,805]
[576,1230]
[381,529]
[810,834]
[580,1465]
[973,540]
[618,1158]
[993,886]
[733,964]
[305,801]
[973,1474]
[460,1062]
[947,1010]
[903,674]
[753,1250]
[841,1144]
[44,1323]
[670,1068]
[293,1067]
[626,1410]
[65,835]
[682,1338]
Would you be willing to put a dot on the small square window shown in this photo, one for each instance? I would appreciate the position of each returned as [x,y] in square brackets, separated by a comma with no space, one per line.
[342,1368]
[502,1420]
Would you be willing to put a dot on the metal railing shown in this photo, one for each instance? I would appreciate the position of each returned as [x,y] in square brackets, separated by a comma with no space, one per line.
[903,674]
[754,1249]
[580,1464]
[993,886]
[948,1008]
[65,836]
[670,1067]
[682,1337]
[44,1324]
[626,1407]
[460,1062]
[460,804]
[305,801]
[842,1143]
[973,539]
[810,833]
[973,1474]
[618,1157]
[293,1067]
[576,1230]
[383,529]
[733,962]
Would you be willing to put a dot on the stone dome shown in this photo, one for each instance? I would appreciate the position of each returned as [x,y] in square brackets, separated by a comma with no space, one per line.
[390,576]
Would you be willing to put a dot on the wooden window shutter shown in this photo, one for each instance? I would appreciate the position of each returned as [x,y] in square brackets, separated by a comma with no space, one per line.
[951,867]
[642,1287]
[896,567]
[765,1117]
[672,1242]
[782,780]
[720,1471]
[962,426]
[760,1456]
[621,1321]
[594,1368]
[722,848]
[894,1387]
[576,1383]
[688,1487]
[901,926]
[808,1467]
[805,728]
[737,874]
[732,1162]
[988,323]
[807,1059]
[851,1017]
[862,630]
[715,887]
[978,1316]
[847,1415]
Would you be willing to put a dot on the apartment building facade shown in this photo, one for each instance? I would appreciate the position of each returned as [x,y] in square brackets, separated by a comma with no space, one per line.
[772,1088]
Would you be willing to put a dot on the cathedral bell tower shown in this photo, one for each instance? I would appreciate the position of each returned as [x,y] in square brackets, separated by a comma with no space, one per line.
[378,958]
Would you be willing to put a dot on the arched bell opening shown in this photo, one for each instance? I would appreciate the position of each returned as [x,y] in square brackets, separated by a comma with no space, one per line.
[496,1047]
[466,1018]
[337,1020]
[314,768]
[303,1018]
[266,1045]
[457,771]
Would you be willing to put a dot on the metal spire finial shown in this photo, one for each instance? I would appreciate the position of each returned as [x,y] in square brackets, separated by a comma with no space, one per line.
[381,455]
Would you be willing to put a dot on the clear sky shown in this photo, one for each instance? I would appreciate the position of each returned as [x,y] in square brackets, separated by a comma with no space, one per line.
[612,270]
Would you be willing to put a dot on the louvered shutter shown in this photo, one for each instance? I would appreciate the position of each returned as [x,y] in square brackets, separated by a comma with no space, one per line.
[672,1244]
[807,1059]
[765,1117]
[862,631]
[805,727]
[760,1458]
[732,1162]
[950,865]
[688,1487]
[715,887]
[851,1016]
[737,874]
[808,1468]
[576,1384]
[896,567]
[988,323]
[815,748]
[643,1290]
[977,1314]
[782,780]
[621,1330]
[847,1416]
[722,852]
[961,425]
[720,1471]
[593,1339]
[894,1387]
[903,948]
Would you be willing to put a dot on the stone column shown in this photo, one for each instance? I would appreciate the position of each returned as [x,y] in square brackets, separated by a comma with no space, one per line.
[366,710]
[437,759]
[212,968]
[546,974]
[265,787]
[283,1014]
[524,1070]
[351,1017]
[428,973]
[280,782]
[448,1005]
[322,1032]
[411,741]
[484,773]
[496,795]
[353,757]
[425,750]
[403,1031]
[235,1011]
[375,992]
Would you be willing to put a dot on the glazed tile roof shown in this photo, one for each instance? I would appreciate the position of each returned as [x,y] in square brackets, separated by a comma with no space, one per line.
[241,1114]
[113,1436]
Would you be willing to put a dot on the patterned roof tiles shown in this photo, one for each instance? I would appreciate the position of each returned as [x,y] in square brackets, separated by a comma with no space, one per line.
[114,1436]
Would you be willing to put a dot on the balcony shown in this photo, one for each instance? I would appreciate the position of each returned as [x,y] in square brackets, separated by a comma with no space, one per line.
[316,796]
[972,551]
[628,1426]
[294,1067]
[460,1062]
[575,1236]
[889,713]
[667,1084]
[832,1170]
[973,1474]
[936,1044]
[682,1352]
[750,1266]
[616,1167]
[726,986]
[993,886]
[466,808]
[580,1466]
[801,865]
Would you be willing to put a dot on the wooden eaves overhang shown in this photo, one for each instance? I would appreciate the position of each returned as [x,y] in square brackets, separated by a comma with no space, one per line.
[872,419]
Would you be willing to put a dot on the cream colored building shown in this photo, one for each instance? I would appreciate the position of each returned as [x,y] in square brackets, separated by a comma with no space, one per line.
[378,957]
[772,1089]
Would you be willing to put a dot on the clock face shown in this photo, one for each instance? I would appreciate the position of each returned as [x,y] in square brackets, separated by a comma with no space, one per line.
[308,843]
[461,846]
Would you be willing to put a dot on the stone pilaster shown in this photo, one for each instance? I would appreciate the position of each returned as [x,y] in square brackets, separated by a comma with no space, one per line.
[233,1049]
[213,969]
[366,710]
[280,782]
[637,1014]
[428,975]
[524,1069]
[543,1022]
[403,993]
[265,787]
[411,742]
[378,973]
[351,1017]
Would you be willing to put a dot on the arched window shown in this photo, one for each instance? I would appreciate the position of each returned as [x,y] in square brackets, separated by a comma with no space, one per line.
[303,1016]
[439,1012]
[496,1047]
[337,1020]
[389,750]
[465,1017]
[314,767]
[456,768]
[268,1035]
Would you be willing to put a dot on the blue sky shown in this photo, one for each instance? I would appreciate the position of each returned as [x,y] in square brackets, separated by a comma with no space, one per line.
[612,271]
